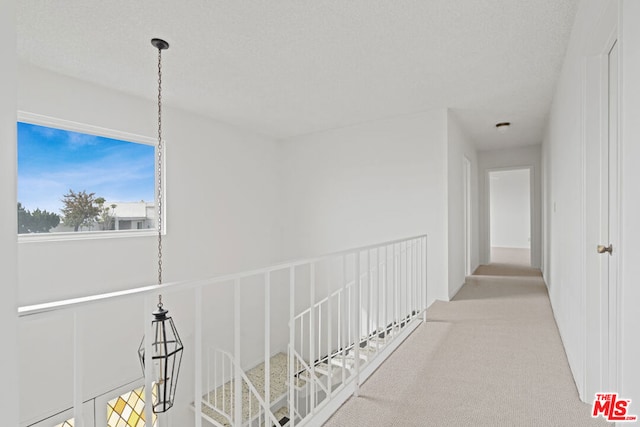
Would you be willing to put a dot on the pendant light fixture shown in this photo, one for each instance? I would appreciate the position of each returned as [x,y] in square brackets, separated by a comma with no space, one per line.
[166,347]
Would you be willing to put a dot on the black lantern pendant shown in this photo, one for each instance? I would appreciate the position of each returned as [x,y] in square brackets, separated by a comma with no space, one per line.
[166,347]
[166,357]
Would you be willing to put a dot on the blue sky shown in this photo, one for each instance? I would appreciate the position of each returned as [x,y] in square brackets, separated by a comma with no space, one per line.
[52,161]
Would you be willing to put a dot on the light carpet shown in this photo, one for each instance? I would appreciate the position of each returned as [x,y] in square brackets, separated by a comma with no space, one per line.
[491,357]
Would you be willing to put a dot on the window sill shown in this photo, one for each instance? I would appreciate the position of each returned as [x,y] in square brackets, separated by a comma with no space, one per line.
[87,235]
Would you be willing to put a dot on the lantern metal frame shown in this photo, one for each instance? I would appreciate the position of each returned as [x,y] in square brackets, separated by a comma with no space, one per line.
[166,357]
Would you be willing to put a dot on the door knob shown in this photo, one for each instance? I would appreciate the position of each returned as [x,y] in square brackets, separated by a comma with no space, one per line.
[602,249]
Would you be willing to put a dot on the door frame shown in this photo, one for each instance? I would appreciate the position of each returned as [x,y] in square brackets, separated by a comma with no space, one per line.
[532,205]
[468,214]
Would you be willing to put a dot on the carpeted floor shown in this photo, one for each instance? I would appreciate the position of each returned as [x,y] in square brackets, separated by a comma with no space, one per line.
[490,357]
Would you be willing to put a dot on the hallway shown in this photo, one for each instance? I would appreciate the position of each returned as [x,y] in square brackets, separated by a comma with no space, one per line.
[490,357]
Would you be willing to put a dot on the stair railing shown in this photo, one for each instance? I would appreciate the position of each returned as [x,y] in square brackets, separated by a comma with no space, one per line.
[357,306]
[373,297]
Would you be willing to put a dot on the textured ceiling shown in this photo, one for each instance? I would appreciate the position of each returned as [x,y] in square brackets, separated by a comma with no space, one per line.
[292,67]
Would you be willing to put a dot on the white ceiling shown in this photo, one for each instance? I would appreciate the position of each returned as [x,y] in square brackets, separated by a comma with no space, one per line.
[292,67]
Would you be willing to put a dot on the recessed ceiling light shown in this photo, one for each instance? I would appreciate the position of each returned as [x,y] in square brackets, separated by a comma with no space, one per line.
[503,126]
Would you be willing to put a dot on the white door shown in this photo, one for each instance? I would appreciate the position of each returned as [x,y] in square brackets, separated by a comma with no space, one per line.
[607,249]
[602,212]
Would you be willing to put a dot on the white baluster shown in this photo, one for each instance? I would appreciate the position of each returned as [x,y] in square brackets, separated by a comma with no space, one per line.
[267,339]
[357,309]
[198,355]
[78,365]
[292,338]
[237,409]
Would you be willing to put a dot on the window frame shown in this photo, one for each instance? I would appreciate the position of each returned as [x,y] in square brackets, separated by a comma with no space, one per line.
[67,125]
[88,408]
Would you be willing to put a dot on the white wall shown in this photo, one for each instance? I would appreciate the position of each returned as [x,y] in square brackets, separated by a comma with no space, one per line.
[562,266]
[510,208]
[9,402]
[222,205]
[222,196]
[511,159]
[563,166]
[459,146]
[369,183]
[630,247]
[568,236]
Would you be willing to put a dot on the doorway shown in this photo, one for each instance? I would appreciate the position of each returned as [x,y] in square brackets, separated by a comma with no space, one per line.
[510,216]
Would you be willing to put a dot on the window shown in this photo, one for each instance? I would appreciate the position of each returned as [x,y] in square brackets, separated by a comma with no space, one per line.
[75,179]
[123,407]
[127,410]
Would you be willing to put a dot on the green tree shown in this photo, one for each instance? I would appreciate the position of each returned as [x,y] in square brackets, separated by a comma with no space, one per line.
[38,221]
[80,209]
[43,221]
[24,219]
[106,218]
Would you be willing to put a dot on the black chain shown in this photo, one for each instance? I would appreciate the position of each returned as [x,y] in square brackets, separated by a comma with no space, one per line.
[160,168]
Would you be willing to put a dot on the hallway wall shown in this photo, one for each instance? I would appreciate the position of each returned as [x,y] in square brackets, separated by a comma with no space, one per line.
[369,183]
[565,228]
[9,402]
[563,268]
[512,158]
